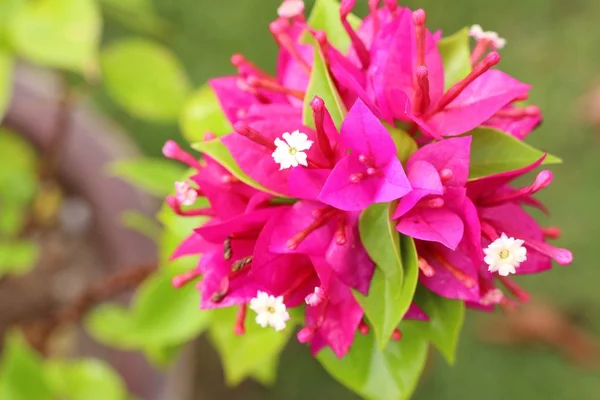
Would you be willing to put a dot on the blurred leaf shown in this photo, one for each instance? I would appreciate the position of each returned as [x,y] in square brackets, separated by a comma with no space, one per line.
[137,15]
[18,169]
[6,80]
[395,278]
[21,372]
[145,78]
[12,218]
[85,380]
[160,319]
[405,144]
[202,113]
[325,16]
[217,150]
[18,257]
[256,353]
[390,374]
[8,8]
[446,318]
[141,224]
[456,56]
[154,175]
[58,33]
[493,152]
[320,84]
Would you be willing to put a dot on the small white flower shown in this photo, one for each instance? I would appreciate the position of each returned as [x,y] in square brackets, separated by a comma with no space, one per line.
[315,298]
[291,153]
[291,8]
[504,255]
[270,311]
[185,194]
[479,34]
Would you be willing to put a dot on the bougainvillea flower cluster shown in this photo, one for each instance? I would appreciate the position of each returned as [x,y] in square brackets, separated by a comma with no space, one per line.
[389,125]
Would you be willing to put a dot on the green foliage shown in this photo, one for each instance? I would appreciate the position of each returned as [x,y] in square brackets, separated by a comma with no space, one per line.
[137,15]
[22,373]
[84,380]
[58,33]
[154,175]
[202,113]
[395,278]
[493,152]
[446,318]
[6,74]
[321,84]
[389,374]
[456,56]
[145,78]
[325,16]
[140,223]
[405,144]
[17,256]
[217,150]
[161,317]
[255,354]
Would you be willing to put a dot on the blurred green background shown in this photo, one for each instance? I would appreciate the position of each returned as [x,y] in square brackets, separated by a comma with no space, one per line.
[553,45]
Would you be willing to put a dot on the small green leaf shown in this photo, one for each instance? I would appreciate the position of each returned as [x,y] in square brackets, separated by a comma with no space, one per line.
[217,150]
[381,239]
[202,113]
[325,16]
[494,152]
[85,380]
[6,76]
[405,144]
[321,84]
[145,78]
[113,324]
[154,175]
[390,374]
[137,15]
[18,169]
[21,372]
[58,33]
[18,257]
[456,56]
[246,355]
[141,224]
[446,318]
[8,8]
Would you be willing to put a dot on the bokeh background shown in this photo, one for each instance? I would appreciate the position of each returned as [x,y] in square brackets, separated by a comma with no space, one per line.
[553,45]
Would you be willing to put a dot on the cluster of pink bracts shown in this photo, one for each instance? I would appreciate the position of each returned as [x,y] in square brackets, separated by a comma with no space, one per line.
[271,253]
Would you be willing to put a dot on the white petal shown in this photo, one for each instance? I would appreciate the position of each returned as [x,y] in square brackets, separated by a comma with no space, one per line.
[301,158]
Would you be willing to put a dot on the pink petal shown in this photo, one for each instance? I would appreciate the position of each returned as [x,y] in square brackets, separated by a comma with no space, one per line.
[433,225]
[231,98]
[416,313]
[452,154]
[477,103]
[424,180]
[192,245]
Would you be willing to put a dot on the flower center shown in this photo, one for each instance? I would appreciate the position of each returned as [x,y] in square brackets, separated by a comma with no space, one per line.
[504,254]
[271,309]
[292,151]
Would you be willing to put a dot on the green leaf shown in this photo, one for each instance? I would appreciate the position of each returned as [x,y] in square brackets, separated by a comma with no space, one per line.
[325,16]
[160,316]
[244,356]
[145,78]
[58,33]
[217,150]
[493,152]
[141,224]
[446,318]
[21,372]
[154,175]
[321,84]
[18,257]
[381,239]
[18,169]
[137,15]
[8,8]
[405,144]
[390,374]
[85,380]
[456,56]
[391,292]
[202,113]
[6,76]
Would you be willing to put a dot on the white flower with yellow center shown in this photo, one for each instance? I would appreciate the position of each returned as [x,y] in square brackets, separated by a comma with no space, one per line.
[291,152]
[504,255]
[270,311]
[478,33]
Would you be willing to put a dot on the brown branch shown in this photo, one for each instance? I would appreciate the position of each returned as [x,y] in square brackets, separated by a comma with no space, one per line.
[129,278]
